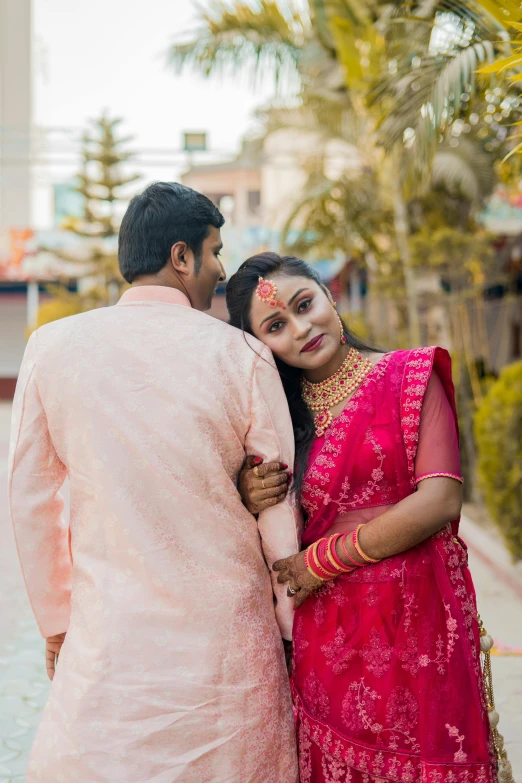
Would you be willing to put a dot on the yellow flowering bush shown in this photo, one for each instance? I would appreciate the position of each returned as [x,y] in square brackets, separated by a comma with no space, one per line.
[498,433]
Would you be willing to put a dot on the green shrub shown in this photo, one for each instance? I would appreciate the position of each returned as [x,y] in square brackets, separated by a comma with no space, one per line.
[498,433]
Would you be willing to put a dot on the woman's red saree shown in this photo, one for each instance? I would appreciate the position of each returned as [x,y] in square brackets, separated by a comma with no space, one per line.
[387,678]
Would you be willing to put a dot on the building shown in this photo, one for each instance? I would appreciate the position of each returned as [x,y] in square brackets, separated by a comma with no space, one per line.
[257,191]
[15,183]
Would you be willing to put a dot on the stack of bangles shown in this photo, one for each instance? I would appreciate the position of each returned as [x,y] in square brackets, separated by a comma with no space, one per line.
[323,562]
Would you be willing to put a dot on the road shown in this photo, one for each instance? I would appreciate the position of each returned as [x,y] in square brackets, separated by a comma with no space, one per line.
[24,686]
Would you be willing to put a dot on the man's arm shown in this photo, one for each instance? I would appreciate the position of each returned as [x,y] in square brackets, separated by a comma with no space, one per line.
[271,437]
[36,475]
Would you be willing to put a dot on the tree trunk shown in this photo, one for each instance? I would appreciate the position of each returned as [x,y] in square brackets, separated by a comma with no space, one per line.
[402,235]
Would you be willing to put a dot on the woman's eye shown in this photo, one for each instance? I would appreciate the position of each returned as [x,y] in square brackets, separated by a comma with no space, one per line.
[275,326]
[304,305]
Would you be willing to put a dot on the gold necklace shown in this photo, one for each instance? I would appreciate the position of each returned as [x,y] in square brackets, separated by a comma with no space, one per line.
[322,396]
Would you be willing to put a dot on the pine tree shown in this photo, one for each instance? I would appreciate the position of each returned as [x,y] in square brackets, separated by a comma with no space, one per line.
[101,181]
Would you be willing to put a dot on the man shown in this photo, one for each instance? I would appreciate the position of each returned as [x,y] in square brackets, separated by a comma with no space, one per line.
[172,668]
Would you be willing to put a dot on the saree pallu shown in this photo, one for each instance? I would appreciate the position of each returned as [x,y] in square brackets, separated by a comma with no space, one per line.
[387,678]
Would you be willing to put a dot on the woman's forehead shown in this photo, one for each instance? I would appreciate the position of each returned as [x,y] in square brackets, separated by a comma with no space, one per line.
[277,292]
[285,284]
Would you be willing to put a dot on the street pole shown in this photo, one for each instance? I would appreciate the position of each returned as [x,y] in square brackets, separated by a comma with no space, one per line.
[33,301]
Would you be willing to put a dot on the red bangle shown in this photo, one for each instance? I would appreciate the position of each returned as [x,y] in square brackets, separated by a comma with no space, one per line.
[321,558]
[309,565]
[345,551]
[334,558]
[315,565]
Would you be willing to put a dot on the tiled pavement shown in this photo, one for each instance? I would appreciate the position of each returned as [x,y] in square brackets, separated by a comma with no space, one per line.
[24,685]
[23,681]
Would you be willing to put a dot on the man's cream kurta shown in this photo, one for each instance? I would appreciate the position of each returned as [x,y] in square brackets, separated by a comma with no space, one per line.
[172,668]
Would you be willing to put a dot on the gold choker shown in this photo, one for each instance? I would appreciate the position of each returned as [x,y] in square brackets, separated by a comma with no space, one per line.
[321,397]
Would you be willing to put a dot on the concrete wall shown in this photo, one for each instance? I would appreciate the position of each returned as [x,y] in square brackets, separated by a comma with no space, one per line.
[13,312]
[15,118]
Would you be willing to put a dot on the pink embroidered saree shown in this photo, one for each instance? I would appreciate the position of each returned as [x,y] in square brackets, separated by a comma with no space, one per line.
[387,679]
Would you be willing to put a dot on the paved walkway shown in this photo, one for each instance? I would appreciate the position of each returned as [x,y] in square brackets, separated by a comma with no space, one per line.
[23,681]
[24,685]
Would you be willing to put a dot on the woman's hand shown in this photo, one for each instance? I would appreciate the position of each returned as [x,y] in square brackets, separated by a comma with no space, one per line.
[262,486]
[294,571]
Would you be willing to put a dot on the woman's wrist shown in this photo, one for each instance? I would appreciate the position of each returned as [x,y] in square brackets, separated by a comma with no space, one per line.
[346,551]
[330,557]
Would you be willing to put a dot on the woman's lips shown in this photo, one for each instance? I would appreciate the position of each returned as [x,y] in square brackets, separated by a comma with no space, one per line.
[313,344]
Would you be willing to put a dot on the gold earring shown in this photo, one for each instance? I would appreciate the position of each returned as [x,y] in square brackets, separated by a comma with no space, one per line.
[343,338]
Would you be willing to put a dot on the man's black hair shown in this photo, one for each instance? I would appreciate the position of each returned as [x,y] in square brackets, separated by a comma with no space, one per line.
[165,213]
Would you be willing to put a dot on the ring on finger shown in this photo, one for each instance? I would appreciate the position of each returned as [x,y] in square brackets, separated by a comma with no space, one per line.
[290,592]
[263,483]
[256,471]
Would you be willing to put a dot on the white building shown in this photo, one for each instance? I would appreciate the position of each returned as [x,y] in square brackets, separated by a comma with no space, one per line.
[15,179]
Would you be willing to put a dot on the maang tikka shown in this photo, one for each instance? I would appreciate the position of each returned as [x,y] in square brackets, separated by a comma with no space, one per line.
[267,292]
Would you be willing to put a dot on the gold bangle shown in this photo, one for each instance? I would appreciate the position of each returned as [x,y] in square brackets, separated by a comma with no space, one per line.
[358,547]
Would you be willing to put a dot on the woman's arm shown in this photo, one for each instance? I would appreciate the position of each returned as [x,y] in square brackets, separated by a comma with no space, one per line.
[438,499]
[436,502]
[406,524]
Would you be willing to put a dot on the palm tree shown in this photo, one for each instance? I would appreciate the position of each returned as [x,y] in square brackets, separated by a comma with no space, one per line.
[355,70]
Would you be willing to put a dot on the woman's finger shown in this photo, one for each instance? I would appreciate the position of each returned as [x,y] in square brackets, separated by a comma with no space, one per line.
[284,577]
[251,461]
[269,482]
[269,467]
[280,565]
[301,597]
[270,492]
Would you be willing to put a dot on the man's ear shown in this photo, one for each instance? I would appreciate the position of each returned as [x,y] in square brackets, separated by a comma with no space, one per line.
[178,257]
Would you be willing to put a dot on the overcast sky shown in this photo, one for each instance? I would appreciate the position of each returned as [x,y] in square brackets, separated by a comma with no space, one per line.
[96,54]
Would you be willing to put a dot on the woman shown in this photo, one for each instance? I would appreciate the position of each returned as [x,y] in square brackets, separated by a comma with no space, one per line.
[386,668]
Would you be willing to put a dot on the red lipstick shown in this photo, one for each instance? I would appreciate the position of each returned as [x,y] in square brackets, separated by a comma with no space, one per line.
[313,344]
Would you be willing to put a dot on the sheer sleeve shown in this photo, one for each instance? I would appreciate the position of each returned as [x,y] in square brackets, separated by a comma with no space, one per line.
[438,449]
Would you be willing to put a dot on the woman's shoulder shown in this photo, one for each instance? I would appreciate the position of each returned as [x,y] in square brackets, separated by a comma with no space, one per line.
[425,356]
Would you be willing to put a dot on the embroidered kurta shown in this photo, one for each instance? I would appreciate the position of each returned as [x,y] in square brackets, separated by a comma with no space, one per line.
[172,668]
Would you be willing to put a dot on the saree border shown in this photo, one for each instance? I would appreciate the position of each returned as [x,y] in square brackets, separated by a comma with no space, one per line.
[378,763]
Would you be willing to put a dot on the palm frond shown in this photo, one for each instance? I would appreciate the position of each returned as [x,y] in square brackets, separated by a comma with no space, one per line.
[465,170]
[434,88]
[504,11]
[344,214]
[244,36]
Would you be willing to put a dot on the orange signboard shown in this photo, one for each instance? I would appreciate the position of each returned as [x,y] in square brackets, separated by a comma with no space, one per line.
[19,237]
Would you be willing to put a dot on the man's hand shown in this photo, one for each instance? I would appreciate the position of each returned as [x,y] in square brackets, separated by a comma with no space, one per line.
[262,486]
[53,645]
[293,570]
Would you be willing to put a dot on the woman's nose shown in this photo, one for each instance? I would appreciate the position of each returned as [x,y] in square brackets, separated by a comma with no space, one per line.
[301,329]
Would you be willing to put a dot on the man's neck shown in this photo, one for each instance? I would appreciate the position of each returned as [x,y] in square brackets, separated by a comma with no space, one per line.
[157,280]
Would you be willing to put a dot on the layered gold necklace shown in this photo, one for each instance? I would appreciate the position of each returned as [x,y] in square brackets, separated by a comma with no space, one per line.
[321,397]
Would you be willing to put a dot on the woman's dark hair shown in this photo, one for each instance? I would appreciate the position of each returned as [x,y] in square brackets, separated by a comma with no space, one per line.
[165,213]
[240,289]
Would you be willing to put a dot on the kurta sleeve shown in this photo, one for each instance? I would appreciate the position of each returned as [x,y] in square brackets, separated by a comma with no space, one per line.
[271,436]
[35,477]
[438,449]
